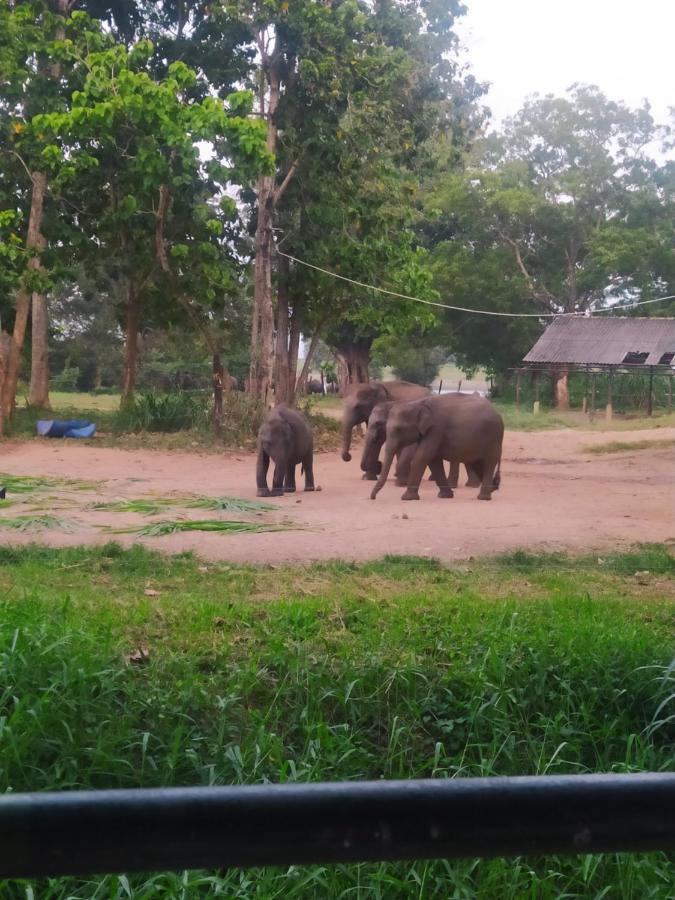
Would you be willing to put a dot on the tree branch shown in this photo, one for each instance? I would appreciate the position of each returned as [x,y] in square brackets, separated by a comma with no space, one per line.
[276,196]
[539,293]
[162,256]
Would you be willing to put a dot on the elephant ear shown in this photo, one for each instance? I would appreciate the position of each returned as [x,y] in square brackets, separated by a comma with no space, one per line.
[424,419]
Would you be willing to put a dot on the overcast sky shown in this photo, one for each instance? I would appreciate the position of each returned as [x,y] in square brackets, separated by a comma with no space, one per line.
[626,47]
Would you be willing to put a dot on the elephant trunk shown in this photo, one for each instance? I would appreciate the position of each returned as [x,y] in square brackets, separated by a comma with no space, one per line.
[384,474]
[347,425]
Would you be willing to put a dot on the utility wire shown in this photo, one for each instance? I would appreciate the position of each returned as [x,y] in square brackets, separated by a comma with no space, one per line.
[477,312]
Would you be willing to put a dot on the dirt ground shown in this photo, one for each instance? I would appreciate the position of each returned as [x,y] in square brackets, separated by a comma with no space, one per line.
[554,495]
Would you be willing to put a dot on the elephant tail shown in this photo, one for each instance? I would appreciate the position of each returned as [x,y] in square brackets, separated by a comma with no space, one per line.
[496,481]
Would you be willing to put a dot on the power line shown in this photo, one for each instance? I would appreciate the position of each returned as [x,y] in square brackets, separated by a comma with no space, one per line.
[478,312]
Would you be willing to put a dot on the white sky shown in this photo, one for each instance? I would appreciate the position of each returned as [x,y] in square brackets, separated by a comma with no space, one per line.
[626,47]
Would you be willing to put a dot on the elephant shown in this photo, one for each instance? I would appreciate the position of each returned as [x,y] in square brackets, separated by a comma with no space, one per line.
[375,438]
[361,399]
[313,386]
[454,427]
[286,437]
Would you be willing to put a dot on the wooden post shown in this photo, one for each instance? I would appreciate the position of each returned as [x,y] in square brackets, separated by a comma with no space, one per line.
[650,396]
[518,389]
[608,408]
[440,385]
[670,393]
[593,380]
[535,405]
[459,386]
[584,402]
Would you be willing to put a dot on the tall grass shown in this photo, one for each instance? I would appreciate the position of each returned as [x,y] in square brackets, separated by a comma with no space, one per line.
[395,669]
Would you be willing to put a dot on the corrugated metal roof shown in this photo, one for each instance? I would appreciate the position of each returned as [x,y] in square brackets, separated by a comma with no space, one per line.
[603,341]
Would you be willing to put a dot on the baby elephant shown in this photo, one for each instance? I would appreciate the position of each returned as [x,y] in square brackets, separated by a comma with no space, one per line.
[286,437]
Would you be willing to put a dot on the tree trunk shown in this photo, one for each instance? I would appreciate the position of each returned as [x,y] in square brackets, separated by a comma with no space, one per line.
[311,350]
[262,332]
[218,382]
[5,344]
[131,346]
[353,361]
[560,389]
[283,385]
[34,241]
[38,394]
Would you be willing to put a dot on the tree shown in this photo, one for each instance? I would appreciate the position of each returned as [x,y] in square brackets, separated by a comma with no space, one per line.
[158,219]
[41,42]
[561,212]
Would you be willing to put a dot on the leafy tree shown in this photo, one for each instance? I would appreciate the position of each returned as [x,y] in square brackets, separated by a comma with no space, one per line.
[159,220]
[562,211]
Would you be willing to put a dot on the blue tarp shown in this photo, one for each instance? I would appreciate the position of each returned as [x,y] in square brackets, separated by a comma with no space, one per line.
[72,428]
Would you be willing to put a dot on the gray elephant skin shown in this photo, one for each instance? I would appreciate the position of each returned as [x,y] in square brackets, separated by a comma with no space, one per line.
[285,437]
[361,399]
[375,438]
[454,427]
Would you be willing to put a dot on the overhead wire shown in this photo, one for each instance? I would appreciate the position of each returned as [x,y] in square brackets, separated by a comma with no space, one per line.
[466,309]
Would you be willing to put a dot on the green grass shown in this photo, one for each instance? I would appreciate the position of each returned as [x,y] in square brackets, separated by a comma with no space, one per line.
[399,668]
[628,446]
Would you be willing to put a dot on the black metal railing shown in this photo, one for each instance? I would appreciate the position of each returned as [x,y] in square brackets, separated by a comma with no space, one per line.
[87,832]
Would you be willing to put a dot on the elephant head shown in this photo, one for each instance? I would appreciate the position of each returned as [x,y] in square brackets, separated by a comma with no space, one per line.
[375,438]
[358,405]
[407,424]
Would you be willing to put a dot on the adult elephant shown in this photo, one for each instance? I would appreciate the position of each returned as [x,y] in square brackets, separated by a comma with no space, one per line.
[375,438]
[454,427]
[361,399]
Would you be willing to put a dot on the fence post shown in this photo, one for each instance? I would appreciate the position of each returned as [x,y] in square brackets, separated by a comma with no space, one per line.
[593,379]
[670,393]
[584,402]
[650,396]
[535,405]
[608,408]
[517,388]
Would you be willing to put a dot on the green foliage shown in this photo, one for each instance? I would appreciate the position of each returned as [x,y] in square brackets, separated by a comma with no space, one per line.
[67,379]
[560,211]
[153,411]
[400,668]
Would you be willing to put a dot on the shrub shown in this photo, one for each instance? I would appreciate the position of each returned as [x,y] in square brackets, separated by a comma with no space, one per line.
[66,380]
[153,411]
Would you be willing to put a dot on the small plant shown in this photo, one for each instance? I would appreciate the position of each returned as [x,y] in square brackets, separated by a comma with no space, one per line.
[66,380]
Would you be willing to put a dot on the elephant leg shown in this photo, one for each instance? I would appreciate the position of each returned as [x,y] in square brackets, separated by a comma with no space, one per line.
[289,482]
[278,479]
[473,479]
[438,475]
[489,464]
[454,473]
[261,474]
[403,460]
[308,466]
[417,466]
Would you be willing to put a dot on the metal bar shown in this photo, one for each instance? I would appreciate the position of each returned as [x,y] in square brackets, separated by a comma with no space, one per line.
[87,832]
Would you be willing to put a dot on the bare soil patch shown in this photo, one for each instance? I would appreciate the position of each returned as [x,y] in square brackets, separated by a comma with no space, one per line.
[555,495]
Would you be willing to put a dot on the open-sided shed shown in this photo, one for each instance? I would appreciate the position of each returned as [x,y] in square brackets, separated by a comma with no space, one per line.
[608,345]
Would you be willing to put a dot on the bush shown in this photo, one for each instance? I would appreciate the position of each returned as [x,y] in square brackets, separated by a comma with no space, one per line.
[153,411]
[66,380]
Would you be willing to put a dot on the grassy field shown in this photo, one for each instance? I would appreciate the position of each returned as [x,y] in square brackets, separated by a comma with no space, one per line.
[394,669]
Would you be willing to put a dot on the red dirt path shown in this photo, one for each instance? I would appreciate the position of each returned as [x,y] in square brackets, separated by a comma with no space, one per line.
[554,496]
